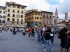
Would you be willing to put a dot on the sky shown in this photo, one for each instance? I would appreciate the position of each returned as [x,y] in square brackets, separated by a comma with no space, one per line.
[45,5]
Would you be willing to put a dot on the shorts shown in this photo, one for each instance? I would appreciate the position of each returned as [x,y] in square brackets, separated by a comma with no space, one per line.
[64,44]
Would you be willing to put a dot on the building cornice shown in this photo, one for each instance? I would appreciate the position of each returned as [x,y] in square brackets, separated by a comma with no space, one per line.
[13,3]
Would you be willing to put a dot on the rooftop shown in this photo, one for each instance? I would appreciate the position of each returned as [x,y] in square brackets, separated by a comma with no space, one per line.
[3,7]
[47,12]
[13,3]
[35,10]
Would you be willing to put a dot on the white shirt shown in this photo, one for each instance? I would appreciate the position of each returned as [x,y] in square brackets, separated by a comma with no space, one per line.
[44,29]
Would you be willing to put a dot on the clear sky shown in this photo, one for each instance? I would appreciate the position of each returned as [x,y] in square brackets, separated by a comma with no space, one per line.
[46,5]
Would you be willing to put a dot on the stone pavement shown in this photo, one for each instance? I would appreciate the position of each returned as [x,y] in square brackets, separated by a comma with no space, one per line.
[20,43]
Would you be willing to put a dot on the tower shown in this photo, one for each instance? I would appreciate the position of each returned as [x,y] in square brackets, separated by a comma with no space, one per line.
[55,17]
[66,16]
[56,14]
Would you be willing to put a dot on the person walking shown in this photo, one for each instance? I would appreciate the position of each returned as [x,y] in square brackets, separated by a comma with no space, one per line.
[23,32]
[52,35]
[42,34]
[14,31]
[30,32]
[39,33]
[47,39]
[64,39]
[33,33]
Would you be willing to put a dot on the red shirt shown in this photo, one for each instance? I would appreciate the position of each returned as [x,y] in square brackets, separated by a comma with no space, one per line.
[30,30]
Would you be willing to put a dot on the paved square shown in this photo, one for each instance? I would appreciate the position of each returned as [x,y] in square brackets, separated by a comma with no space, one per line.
[20,43]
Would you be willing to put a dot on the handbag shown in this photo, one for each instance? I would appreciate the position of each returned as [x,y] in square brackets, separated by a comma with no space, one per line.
[51,34]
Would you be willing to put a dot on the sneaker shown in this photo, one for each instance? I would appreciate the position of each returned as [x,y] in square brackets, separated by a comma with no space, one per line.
[29,38]
[51,49]
[44,49]
[32,38]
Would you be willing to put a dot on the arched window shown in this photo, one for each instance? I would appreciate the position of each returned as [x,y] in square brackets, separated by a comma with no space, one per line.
[0,16]
[17,21]
[21,21]
[4,16]
[8,19]
[22,12]
[0,11]
[21,16]
[3,21]
[18,11]
[13,15]
[8,15]
[8,10]
[13,19]
[0,21]
[13,10]
[50,16]
[47,16]
[43,16]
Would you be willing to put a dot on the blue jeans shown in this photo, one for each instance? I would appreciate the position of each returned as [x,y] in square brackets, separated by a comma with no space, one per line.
[47,44]
[33,35]
[39,37]
[42,39]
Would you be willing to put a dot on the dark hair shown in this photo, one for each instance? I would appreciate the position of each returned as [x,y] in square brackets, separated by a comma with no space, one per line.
[44,25]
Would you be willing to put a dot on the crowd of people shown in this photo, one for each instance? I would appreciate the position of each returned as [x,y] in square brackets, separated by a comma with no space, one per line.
[46,35]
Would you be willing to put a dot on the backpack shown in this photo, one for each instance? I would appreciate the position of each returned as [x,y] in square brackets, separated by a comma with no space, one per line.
[59,34]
